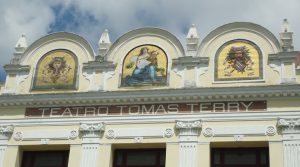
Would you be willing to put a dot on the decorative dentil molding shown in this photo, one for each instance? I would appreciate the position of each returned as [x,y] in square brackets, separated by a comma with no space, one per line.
[289,125]
[6,131]
[92,129]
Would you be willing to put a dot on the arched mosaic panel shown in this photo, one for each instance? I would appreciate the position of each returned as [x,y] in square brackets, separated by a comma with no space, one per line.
[238,60]
[57,69]
[145,65]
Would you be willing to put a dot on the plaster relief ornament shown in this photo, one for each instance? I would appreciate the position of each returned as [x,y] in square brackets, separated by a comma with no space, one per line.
[238,60]
[57,69]
[145,65]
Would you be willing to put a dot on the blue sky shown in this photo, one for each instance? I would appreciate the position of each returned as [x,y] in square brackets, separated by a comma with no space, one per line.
[89,18]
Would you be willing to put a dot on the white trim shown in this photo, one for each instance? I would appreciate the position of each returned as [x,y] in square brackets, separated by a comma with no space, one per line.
[242,130]
[139,133]
[149,119]
[45,135]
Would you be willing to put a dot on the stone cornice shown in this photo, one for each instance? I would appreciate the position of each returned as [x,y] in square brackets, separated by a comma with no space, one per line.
[152,96]
[190,61]
[16,68]
[287,56]
[96,65]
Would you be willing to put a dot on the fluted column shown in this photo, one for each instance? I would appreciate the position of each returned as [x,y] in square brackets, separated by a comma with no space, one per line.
[290,129]
[188,141]
[5,133]
[91,134]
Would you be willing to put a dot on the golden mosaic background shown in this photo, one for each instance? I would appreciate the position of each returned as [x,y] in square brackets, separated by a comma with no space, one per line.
[161,62]
[220,65]
[49,78]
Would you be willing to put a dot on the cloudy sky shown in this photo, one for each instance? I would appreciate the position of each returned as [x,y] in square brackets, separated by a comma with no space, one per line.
[89,18]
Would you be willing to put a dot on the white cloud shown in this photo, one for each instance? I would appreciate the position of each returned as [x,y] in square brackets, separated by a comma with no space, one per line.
[34,17]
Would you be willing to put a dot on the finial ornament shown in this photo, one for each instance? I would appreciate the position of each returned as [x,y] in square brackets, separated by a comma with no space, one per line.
[192,41]
[104,44]
[286,37]
[20,48]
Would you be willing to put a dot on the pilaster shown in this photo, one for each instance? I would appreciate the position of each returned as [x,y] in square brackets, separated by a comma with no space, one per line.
[5,133]
[290,129]
[91,134]
[196,65]
[188,141]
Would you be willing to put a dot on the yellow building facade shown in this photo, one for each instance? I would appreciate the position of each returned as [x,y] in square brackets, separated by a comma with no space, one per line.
[231,99]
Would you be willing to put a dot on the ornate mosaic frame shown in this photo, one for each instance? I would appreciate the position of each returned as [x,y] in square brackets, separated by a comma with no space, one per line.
[145,65]
[56,70]
[238,60]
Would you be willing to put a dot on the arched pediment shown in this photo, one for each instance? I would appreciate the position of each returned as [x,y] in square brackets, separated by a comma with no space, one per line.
[146,32]
[55,38]
[251,28]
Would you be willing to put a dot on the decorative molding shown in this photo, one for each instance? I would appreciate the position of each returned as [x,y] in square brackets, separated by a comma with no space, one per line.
[132,133]
[169,133]
[92,129]
[179,70]
[106,76]
[45,141]
[289,125]
[200,70]
[244,130]
[138,139]
[6,131]
[238,137]
[18,136]
[276,68]
[88,127]
[41,135]
[110,134]
[159,95]
[188,130]
[270,130]
[90,76]
[188,124]
[208,132]
[73,134]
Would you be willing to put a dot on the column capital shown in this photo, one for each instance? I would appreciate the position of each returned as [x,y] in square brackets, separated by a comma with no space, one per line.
[6,131]
[290,125]
[196,124]
[92,129]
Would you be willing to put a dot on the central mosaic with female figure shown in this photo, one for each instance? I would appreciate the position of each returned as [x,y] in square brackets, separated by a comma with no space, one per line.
[145,65]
